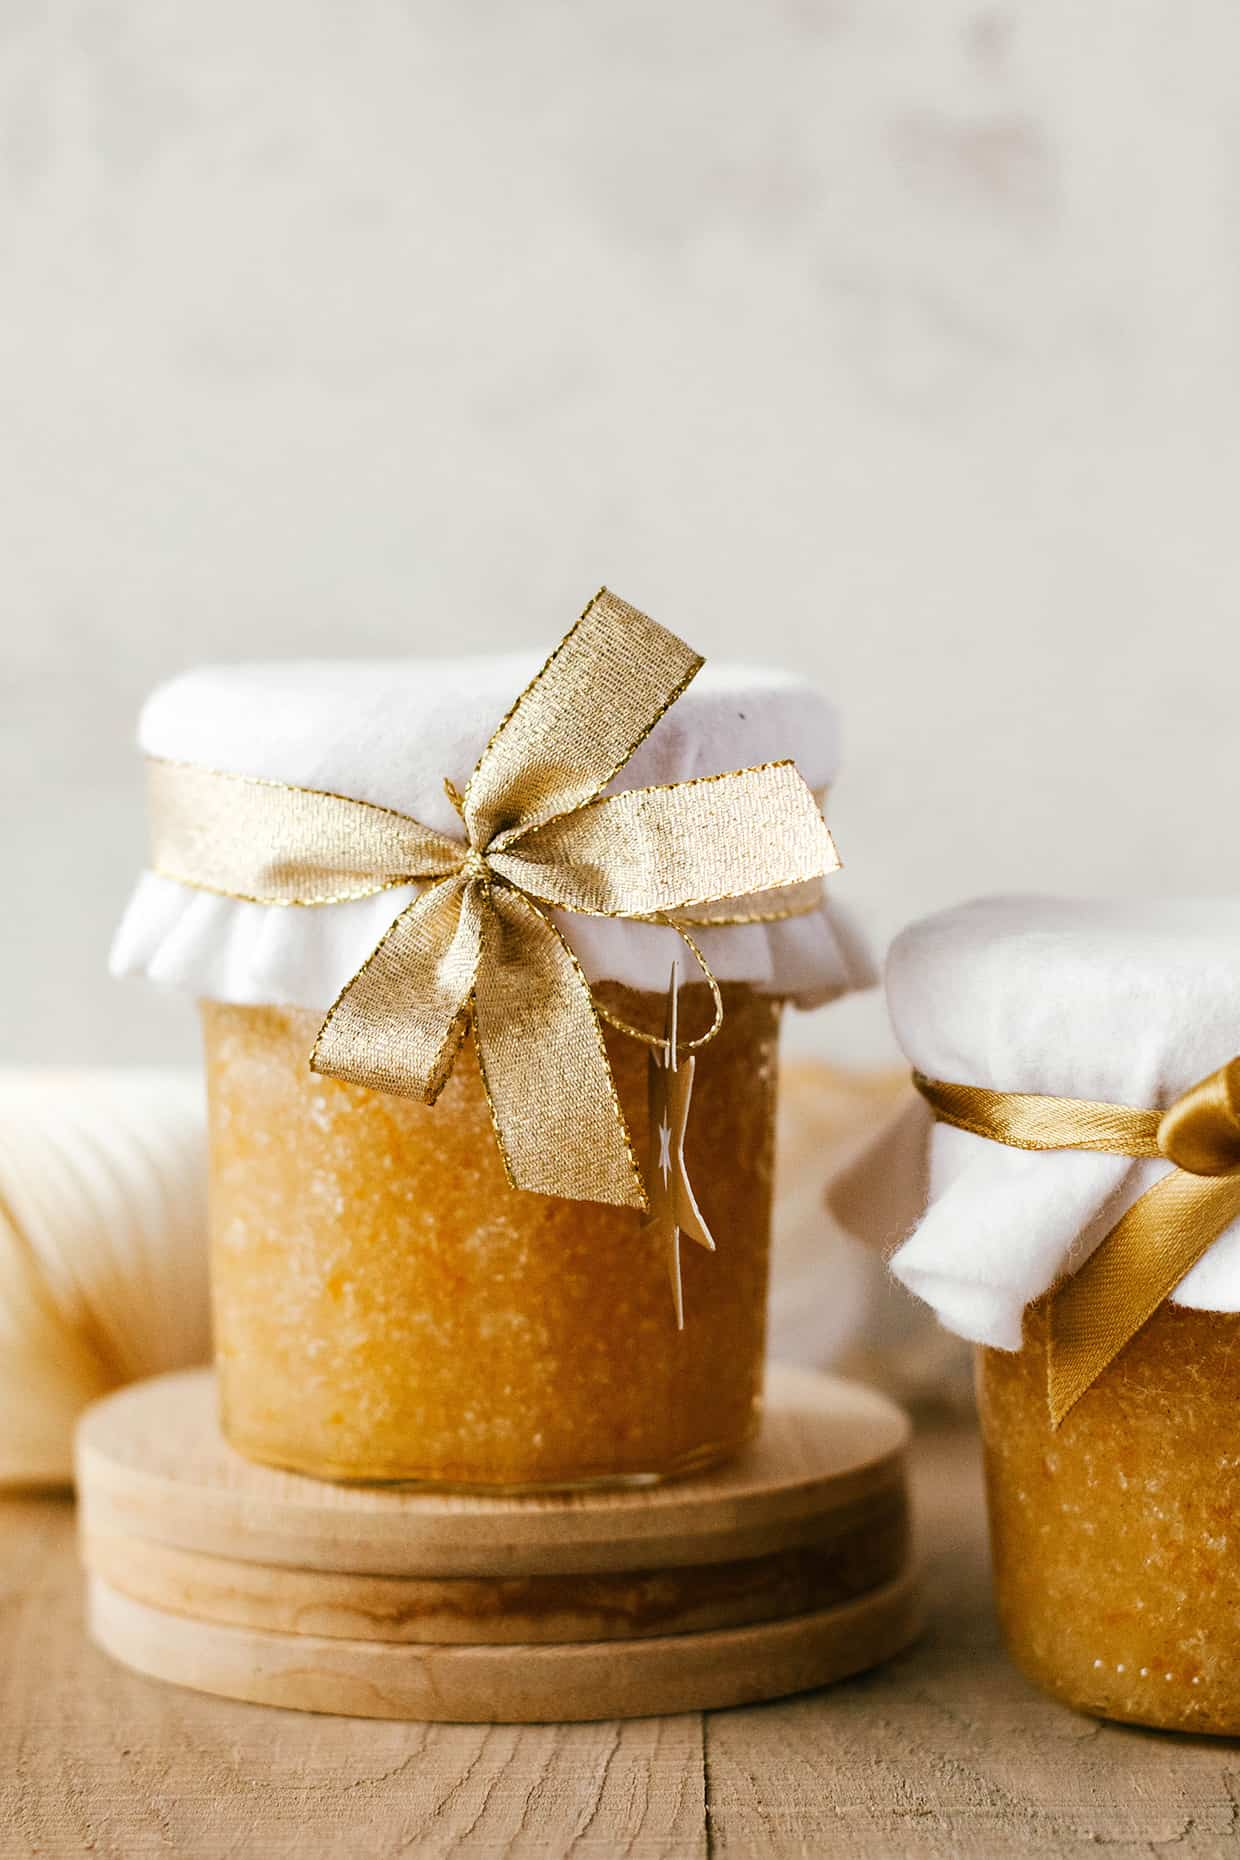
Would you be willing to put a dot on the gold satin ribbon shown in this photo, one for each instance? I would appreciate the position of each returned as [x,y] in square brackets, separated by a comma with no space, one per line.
[477,946]
[1096,1312]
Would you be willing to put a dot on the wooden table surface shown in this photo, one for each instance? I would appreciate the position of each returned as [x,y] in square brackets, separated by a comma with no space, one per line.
[946,1753]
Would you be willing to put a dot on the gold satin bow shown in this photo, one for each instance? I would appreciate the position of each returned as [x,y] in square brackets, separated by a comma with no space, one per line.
[477,947]
[1097,1311]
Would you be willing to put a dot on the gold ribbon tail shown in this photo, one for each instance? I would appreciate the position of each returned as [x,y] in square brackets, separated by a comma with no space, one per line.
[544,1066]
[397,1026]
[1097,1312]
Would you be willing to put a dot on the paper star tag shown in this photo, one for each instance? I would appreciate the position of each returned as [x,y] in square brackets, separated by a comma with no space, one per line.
[673,1208]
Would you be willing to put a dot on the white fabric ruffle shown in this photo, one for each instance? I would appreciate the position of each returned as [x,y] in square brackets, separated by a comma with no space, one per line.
[1130,1003]
[389,731]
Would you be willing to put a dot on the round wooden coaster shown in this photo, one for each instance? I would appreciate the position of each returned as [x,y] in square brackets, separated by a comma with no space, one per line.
[507,1685]
[152,1465]
[860,1549]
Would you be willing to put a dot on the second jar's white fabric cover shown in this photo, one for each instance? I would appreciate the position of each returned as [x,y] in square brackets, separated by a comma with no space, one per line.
[389,731]
[1128,1002]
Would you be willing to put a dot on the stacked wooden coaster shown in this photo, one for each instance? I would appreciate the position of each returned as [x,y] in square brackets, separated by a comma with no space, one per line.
[786,1569]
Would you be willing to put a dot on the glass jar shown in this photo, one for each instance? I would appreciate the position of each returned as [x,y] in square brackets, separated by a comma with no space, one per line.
[386,1307]
[1115,1536]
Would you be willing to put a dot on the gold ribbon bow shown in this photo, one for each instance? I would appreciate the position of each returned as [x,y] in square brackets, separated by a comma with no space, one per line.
[477,946]
[1096,1312]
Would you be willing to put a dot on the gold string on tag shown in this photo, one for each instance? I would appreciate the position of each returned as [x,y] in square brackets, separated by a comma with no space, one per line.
[673,1206]
[478,946]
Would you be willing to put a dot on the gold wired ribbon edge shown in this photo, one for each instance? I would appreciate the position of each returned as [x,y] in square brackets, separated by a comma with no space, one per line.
[477,946]
[1096,1311]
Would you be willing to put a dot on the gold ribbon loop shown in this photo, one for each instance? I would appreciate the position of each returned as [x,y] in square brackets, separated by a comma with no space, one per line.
[1098,1310]
[575,726]
[476,945]
[268,843]
[1200,1132]
[653,850]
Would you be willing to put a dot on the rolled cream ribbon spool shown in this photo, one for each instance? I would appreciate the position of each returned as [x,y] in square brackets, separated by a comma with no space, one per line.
[833,1302]
[102,1248]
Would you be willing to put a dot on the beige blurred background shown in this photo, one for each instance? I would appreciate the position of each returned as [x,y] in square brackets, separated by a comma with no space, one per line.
[898,342]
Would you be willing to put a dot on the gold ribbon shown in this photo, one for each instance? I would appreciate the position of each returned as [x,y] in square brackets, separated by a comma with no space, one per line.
[1096,1312]
[477,946]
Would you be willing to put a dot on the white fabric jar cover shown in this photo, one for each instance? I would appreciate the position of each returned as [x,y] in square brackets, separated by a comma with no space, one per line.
[1126,1002]
[388,732]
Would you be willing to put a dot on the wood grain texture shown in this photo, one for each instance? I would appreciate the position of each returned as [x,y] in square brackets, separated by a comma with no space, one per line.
[949,1754]
[152,1464]
[860,1550]
[463,1684]
[943,1754]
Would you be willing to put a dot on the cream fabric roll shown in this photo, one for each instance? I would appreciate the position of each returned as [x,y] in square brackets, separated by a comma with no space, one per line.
[102,1248]
[833,1302]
